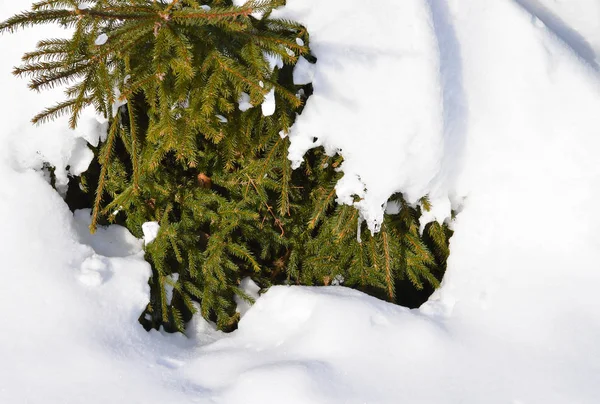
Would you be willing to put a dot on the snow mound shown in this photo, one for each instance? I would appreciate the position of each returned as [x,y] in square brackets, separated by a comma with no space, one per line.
[377,100]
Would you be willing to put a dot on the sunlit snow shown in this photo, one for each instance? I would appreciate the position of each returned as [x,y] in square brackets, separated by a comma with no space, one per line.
[490,107]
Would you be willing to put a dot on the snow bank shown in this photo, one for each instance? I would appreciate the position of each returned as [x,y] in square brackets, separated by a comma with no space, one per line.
[377,100]
[524,262]
[335,345]
[495,102]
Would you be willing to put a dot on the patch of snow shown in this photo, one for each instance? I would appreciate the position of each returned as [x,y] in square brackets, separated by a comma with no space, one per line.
[111,241]
[268,105]
[338,280]
[202,332]
[274,60]
[304,72]
[92,127]
[441,208]
[101,40]
[222,119]
[94,271]
[81,157]
[171,280]
[244,102]
[388,72]
[118,102]
[250,288]
[84,5]
[150,230]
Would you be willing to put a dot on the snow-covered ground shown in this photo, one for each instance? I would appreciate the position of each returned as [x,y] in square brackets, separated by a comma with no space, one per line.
[491,105]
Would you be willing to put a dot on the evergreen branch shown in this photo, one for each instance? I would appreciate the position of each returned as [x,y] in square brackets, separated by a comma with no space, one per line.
[242,252]
[48,54]
[350,226]
[389,281]
[134,147]
[223,64]
[120,200]
[35,68]
[170,6]
[52,79]
[321,206]
[416,245]
[214,15]
[30,18]
[286,179]
[108,148]
[276,220]
[268,158]
[116,13]
[49,4]
[58,110]
[288,95]
[81,101]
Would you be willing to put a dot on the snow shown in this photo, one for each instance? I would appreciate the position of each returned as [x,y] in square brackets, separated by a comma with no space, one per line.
[244,102]
[81,157]
[490,106]
[150,230]
[92,127]
[388,72]
[84,5]
[268,105]
[251,289]
[171,280]
[119,102]
[111,241]
[101,40]
[274,60]
[303,72]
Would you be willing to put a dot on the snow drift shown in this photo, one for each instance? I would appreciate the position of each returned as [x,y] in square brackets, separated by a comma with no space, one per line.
[493,104]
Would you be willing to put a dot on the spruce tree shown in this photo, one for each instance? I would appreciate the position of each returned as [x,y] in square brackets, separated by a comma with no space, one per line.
[170,77]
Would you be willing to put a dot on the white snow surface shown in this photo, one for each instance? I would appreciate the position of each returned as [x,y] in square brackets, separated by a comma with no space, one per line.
[493,104]
[303,72]
[150,230]
[268,106]
[101,40]
[388,72]
[244,103]
[251,289]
